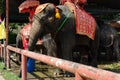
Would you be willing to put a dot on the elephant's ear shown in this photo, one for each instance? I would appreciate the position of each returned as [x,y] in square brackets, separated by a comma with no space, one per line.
[45,11]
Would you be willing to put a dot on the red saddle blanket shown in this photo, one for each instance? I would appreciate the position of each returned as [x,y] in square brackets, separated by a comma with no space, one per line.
[25,34]
[85,23]
[74,1]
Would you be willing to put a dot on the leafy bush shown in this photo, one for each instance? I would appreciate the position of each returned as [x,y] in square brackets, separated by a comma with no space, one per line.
[2,6]
[12,38]
[14,29]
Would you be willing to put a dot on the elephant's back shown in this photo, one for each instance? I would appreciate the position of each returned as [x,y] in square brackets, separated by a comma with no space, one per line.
[67,17]
[65,10]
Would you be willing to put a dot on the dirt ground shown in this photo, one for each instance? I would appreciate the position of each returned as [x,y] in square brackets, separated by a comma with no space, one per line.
[45,72]
[42,72]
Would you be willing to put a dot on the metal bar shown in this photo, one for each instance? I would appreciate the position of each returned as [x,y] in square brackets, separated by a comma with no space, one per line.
[87,72]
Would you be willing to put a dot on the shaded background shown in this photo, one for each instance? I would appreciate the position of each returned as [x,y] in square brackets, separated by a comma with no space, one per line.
[15,16]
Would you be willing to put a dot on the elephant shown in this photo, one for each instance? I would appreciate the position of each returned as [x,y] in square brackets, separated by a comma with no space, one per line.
[19,44]
[45,22]
[109,41]
[47,45]
[81,54]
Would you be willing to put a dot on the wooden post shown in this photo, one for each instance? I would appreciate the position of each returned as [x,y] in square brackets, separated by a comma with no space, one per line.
[0,51]
[6,56]
[24,67]
[7,20]
[8,59]
[78,77]
[4,53]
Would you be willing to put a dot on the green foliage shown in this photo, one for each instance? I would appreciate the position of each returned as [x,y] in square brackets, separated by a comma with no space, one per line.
[2,6]
[109,17]
[12,38]
[14,29]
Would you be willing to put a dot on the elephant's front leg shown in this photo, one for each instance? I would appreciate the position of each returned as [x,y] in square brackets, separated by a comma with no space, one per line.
[67,43]
[93,57]
[94,47]
[116,49]
[19,44]
[50,45]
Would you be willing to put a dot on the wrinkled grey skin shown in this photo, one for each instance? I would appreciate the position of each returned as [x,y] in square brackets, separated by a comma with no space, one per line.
[19,44]
[45,22]
[48,43]
[109,41]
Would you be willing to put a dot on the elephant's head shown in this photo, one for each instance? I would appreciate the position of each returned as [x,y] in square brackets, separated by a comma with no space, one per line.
[43,21]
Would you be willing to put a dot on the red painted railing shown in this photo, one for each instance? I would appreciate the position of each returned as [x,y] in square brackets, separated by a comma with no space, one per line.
[82,72]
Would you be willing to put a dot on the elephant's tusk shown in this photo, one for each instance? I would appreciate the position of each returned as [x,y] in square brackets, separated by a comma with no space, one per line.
[40,42]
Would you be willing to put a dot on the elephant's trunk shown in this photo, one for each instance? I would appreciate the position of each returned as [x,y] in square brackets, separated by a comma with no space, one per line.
[35,32]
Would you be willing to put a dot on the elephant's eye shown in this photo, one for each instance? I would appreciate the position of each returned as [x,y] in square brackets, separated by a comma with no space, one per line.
[50,13]
[50,19]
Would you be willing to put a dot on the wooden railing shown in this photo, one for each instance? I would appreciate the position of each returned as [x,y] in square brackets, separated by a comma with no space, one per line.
[82,72]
